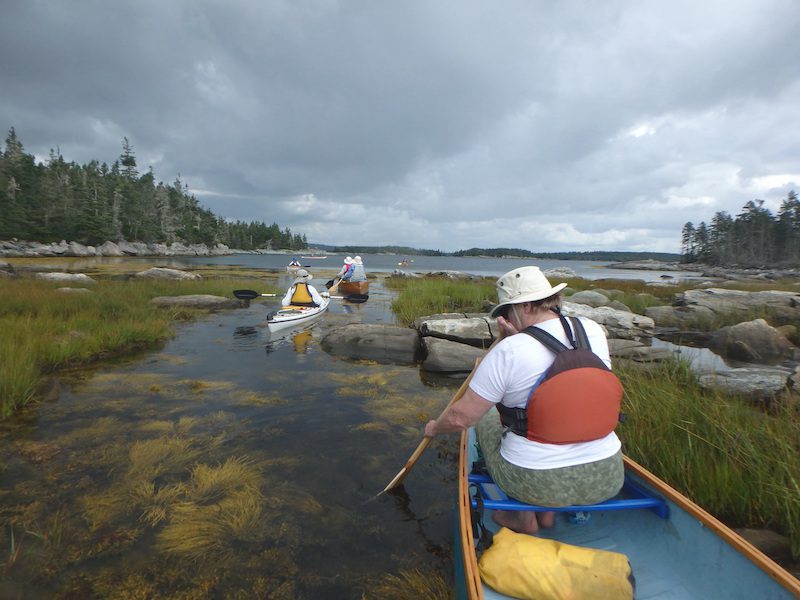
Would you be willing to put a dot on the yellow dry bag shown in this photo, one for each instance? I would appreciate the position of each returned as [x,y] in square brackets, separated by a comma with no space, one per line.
[527,567]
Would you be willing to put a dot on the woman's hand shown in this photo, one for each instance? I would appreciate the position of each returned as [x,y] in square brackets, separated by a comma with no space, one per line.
[430,429]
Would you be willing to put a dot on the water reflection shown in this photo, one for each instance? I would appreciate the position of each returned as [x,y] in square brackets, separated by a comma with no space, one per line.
[213,468]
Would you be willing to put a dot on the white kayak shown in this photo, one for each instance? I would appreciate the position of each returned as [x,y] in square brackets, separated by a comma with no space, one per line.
[290,316]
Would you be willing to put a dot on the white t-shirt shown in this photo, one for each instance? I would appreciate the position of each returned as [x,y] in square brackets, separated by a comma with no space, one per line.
[508,373]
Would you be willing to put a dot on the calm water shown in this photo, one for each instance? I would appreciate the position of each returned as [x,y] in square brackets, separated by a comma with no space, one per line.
[227,464]
[489,267]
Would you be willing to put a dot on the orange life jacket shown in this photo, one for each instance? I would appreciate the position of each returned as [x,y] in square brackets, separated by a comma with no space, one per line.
[302,296]
[578,398]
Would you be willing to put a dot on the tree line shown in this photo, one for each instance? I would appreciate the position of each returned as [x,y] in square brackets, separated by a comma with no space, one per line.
[95,202]
[754,238]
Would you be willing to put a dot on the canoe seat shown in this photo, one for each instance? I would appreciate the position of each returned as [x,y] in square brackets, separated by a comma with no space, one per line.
[632,496]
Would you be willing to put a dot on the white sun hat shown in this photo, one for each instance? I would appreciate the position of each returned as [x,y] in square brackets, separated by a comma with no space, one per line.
[348,261]
[526,284]
[357,260]
[302,275]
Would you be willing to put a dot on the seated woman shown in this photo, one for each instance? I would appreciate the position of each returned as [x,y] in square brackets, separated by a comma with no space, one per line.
[301,293]
[358,271]
[346,272]
[582,470]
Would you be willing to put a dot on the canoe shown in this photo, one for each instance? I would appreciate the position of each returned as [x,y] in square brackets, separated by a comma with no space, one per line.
[353,287]
[291,316]
[675,548]
[314,257]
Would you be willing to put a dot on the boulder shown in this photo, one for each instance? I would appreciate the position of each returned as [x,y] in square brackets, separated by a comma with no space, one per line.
[76,249]
[752,341]
[164,273]
[66,278]
[757,383]
[109,249]
[445,356]
[684,317]
[203,301]
[617,323]
[474,332]
[381,343]
[590,298]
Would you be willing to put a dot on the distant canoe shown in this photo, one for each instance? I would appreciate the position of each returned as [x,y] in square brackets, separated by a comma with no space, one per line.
[313,257]
[353,287]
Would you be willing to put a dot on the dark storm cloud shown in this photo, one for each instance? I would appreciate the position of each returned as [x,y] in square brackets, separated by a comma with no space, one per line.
[541,125]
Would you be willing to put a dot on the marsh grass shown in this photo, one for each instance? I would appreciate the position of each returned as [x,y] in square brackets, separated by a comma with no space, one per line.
[411,584]
[45,330]
[735,460]
[426,296]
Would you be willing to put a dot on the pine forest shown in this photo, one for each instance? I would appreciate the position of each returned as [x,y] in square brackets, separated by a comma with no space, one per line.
[95,202]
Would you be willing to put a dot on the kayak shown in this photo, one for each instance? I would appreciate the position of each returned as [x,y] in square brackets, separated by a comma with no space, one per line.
[291,316]
[675,548]
[353,287]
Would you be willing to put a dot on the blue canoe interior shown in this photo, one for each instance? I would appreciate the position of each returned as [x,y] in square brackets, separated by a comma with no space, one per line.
[676,549]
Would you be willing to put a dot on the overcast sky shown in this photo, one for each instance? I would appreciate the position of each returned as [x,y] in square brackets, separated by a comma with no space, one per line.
[438,124]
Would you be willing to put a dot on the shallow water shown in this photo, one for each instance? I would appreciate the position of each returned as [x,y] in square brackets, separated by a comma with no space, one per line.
[229,463]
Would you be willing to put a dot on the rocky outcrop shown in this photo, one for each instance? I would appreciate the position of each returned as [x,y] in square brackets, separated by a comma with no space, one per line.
[381,343]
[18,248]
[785,305]
[201,301]
[164,273]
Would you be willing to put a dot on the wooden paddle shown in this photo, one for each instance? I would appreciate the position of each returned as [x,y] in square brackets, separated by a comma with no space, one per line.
[412,460]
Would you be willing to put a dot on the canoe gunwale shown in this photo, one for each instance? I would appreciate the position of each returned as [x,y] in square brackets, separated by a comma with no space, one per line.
[474,586]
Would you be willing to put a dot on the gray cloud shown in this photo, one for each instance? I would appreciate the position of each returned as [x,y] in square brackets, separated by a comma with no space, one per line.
[548,126]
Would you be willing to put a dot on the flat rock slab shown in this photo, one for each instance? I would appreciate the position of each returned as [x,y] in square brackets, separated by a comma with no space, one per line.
[163,273]
[386,344]
[446,356]
[66,278]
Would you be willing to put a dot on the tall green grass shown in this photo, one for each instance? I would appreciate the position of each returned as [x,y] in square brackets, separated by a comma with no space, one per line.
[427,296]
[736,460]
[43,330]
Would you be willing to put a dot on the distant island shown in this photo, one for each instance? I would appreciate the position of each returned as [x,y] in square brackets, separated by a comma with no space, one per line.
[600,255]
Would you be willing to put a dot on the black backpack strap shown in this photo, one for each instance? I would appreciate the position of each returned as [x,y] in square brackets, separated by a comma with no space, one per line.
[581,337]
[545,338]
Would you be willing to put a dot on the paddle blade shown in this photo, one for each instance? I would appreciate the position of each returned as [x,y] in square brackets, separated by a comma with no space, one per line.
[357,298]
[246,294]
[329,283]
